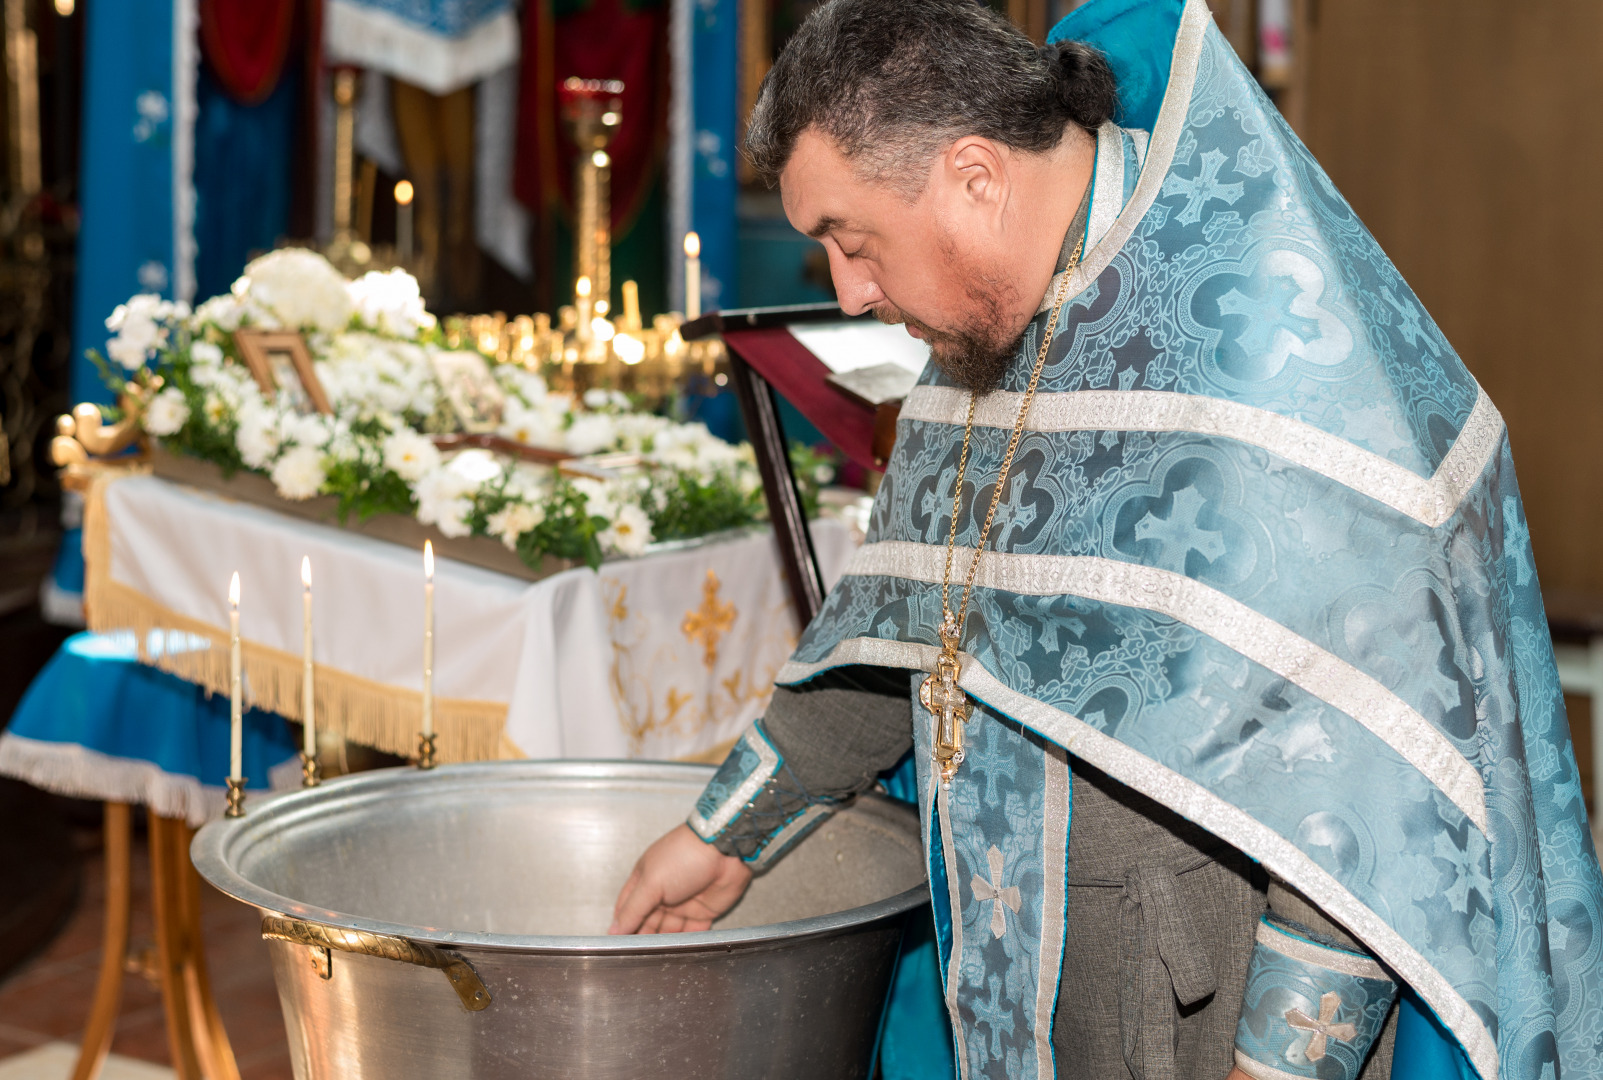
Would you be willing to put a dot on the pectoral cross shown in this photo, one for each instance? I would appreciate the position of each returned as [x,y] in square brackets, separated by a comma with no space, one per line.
[1324,1027]
[947,703]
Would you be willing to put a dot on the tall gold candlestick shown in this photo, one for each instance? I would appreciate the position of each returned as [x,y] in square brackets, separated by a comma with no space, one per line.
[308,698]
[236,713]
[426,747]
[692,276]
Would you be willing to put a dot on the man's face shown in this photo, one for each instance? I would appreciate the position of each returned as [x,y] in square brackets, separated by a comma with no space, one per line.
[930,265]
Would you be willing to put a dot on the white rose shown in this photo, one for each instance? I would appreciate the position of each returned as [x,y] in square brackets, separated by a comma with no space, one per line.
[301,288]
[513,520]
[590,433]
[390,303]
[299,473]
[628,534]
[167,412]
[410,455]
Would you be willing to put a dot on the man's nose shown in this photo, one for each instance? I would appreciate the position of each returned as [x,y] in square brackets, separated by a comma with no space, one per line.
[855,289]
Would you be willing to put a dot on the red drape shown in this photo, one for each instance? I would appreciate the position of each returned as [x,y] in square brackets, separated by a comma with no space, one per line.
[246,42]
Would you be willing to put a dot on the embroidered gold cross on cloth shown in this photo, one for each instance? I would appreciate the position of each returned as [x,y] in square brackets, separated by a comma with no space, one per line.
[1324,1027]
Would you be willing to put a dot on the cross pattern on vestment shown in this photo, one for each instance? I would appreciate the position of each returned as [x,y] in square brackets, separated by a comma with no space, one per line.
[1324,1027]
[993,891]
[1202,188]
[711,621]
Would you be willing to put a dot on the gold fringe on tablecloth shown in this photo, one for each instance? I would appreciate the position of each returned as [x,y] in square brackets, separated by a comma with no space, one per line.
[363,711]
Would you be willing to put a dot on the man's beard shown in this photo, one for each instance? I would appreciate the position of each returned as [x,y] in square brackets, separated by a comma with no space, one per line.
[977,356]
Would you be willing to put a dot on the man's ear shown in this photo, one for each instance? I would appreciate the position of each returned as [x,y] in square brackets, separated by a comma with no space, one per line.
[978,167]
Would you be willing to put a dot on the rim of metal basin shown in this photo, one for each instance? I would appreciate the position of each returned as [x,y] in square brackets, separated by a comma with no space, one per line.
[218,846]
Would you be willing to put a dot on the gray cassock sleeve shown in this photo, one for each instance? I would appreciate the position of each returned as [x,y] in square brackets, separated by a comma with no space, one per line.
[834,735]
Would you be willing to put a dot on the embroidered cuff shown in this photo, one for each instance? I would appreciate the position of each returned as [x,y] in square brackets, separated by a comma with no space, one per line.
[1310,1010]
[753,807]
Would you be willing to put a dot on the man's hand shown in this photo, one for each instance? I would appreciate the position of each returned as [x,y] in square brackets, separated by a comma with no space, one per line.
[680,883]
[1237,1074]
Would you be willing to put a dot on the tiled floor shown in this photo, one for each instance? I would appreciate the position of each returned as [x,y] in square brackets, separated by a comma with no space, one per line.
[47,999]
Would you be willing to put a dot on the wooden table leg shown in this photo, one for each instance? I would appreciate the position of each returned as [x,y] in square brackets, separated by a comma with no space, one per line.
[216,1054]
[165,890]
[113,949]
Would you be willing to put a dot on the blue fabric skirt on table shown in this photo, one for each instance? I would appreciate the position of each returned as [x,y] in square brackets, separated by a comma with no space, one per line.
[96,723]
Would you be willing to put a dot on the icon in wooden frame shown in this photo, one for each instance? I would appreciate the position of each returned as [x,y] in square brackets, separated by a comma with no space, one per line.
[282,365]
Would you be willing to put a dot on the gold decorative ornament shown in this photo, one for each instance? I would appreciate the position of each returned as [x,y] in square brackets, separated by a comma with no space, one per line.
[940,692]
[236,797]
[309,770]
[470,989]
[711,621]
[425,751]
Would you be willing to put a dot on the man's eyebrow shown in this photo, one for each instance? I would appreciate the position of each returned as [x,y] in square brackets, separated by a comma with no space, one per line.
[826,224]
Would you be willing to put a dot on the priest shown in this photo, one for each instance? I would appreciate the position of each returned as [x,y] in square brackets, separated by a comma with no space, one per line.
[1198,585]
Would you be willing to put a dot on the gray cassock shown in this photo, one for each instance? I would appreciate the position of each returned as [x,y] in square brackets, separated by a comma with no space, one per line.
[1161,914]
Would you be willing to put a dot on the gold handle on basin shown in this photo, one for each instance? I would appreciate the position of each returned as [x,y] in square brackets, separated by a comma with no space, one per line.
[464,980]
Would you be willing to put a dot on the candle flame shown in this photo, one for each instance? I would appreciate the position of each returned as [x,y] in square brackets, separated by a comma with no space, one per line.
[306,571]
[582,286]
[600,159]
[692,246]
[428,560]
[233,590]
[403,192]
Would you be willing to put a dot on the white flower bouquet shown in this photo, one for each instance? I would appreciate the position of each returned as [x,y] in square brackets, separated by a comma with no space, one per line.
[371,342]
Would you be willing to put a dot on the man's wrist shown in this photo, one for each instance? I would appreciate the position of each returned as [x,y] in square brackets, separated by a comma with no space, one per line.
[753,808]
[1311,1010]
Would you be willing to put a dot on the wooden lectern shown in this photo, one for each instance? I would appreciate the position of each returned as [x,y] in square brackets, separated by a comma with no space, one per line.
[845,375]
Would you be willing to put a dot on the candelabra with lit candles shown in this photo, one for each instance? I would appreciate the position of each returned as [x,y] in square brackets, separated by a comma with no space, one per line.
[591,342]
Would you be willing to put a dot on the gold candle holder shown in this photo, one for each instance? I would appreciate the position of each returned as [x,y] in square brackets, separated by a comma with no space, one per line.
[236,797]
[309,771]
[425,751]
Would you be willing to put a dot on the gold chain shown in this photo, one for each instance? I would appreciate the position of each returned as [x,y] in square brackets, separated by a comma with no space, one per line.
[952,626]
[940,693]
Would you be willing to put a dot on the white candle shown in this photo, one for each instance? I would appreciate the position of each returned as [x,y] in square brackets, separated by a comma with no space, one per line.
[308,711]
[581,306]
[235,711]
[428,637]
[403,220]
[692,276]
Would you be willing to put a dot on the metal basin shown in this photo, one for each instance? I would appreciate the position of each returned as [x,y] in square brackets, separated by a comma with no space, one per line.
[452,923]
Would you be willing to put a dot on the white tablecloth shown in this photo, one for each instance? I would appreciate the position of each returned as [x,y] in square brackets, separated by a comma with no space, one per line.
[666,656]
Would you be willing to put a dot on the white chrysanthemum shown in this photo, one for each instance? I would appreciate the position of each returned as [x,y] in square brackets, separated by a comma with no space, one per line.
[166,413]
[590,433]
[256,434]
[226,312]
[390,303]
[410,455]
[538,425]
[628,534]
[444,499]
[216,408]
[205,352]
[513,520]
[598,497]
[305,429]
[301,288]
[299,473]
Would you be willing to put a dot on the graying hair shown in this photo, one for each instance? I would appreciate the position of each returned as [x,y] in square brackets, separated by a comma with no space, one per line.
[893,82]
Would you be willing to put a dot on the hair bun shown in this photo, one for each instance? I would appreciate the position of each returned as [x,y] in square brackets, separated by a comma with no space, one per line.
[1087,92]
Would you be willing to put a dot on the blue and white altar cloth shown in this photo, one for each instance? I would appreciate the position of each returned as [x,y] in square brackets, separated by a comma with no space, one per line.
[1261,557]
[98,724]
